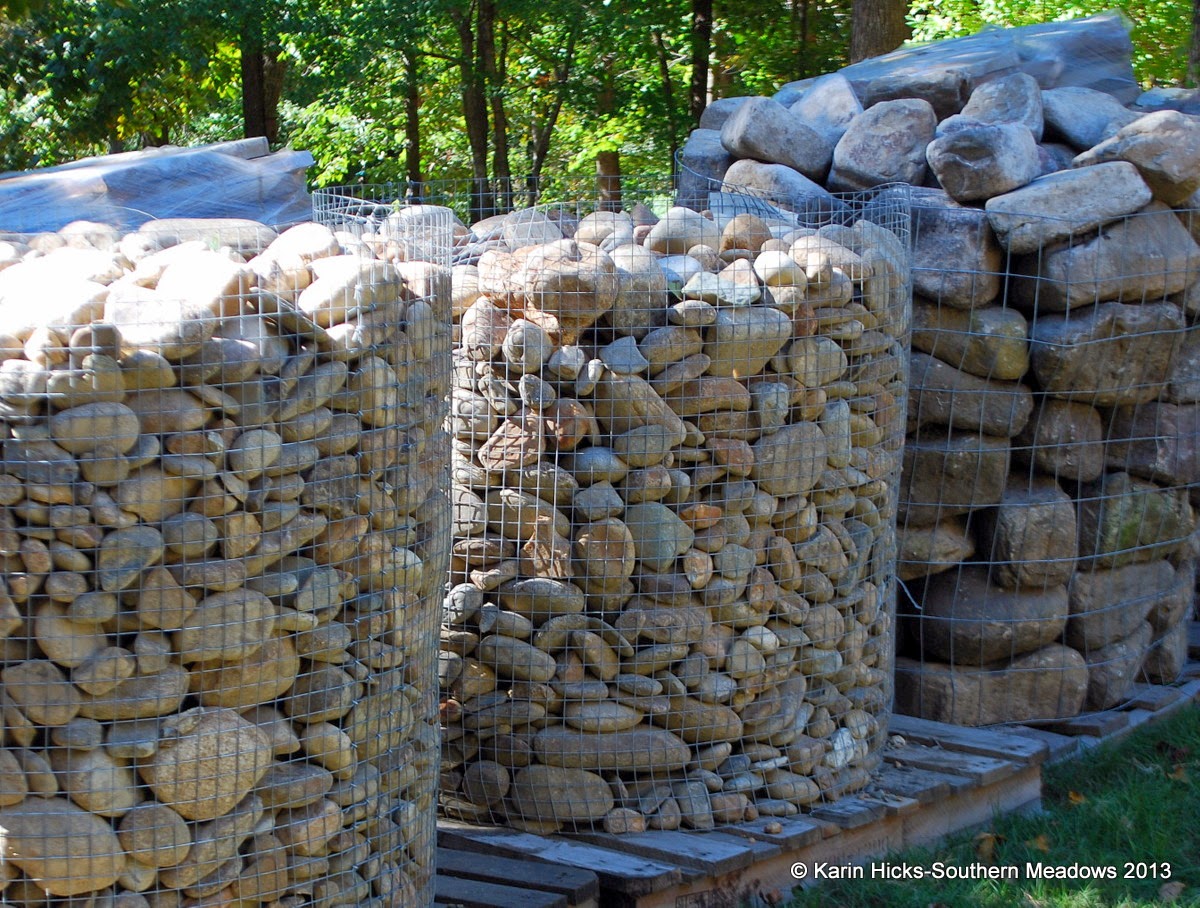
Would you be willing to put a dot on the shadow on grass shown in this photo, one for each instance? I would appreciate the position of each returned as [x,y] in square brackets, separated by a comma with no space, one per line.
[1129,811]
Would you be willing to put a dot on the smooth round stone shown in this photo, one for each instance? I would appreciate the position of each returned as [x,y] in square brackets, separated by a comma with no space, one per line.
[61,848]
[226,626]
[526,346]
[595,464]
[659,536]
[644,446]
[542,598]
[817,361]
[623,357]
[156,834]
[601,716]
[512,658]
[125,554]
[209,758]
[259,678]
[91,426]
[42,692]
[692,313]
[95,781]
[636,749]
[323,692]
[486,783]
[142,696]
[559,794]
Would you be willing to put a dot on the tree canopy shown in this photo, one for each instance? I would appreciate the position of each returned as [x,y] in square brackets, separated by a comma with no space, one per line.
[384,90]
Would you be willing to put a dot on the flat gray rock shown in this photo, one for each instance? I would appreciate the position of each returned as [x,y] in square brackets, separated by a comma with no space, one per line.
[1062,205]
[863,158]
[1163,146]
[765,130]
[985,160]
[1083,117]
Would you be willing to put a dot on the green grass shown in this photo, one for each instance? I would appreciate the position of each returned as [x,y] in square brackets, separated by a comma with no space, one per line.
[1137,800]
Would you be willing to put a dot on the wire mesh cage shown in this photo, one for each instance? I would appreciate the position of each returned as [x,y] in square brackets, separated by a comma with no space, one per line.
[676,451]
[1047,541]
[224,534]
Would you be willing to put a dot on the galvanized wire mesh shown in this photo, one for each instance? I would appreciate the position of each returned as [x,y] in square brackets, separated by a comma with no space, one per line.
[676,452]
[1051,472]
[223,533]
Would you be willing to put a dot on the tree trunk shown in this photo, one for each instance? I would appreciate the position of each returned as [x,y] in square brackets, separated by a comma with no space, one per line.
[876,27]
[1193,67]
[254,81]
[412,118]
[608,162]
[702,19]
[608,180]
[474,101]
[668,90]
[543,130]
[493,71]
[274,72]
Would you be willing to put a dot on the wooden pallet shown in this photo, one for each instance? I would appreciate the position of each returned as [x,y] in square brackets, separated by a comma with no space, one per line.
[947,779]
[944,779]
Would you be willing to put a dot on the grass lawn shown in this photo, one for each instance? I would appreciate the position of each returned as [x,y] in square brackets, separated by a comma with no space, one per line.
[1131,809]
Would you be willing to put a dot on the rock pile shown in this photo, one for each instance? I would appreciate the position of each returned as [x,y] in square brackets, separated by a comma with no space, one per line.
[676,444]
[1054,418]
[222,528]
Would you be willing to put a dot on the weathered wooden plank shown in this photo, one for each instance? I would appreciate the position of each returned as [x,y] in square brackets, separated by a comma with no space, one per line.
[1093,725]
[983,770]
[478,894]
[987,742]
[1152,697]
[578,886]
[786,832]
[974,807]
[619,872]
[850,813]
[922,785]
[1062,747]
[713,855]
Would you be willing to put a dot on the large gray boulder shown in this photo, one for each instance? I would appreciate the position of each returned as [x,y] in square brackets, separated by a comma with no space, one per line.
[1147,256]
[984,160]
[956,260]
[1066,204]
[828,105]
[765,130]
[885,144]
[1083,117]
[1165,148]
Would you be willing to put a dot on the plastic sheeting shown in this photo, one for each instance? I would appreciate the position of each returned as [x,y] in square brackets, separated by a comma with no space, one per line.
[226,180]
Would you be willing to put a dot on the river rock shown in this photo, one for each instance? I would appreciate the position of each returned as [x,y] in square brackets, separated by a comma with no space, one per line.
[828,105]
[1156,441]
[956,259]
[951,474]
[558,795]
[965,620]
[1046,684]
[1064,439]
[61,848]
[1083,117]
[1113,669]
[1107,605]
[991,342]
[1031,217]
[1014,98]
[1029,538]
[788,188]
[942,394]
[1112,354]
[763,129]
[1123,520]
[979,162]
[861,161]
[1165,148]
[1167,261]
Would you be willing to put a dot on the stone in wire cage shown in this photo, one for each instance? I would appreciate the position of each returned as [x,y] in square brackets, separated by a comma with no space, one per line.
[224,530]
[676,450]
[1047,526]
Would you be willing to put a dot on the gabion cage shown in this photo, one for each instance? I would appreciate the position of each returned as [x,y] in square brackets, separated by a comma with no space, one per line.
[224,534]
[1047,540]
[676,450]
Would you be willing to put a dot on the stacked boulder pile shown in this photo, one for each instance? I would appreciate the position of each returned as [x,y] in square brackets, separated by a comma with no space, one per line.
[676,450]
[1047,530]
[224,536]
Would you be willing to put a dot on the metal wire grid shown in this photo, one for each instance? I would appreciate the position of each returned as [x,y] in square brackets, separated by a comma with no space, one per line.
[224,530]
[1046,517]
[675,459]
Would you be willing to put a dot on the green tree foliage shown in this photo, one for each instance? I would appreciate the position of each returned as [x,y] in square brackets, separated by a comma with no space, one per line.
[375,88]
